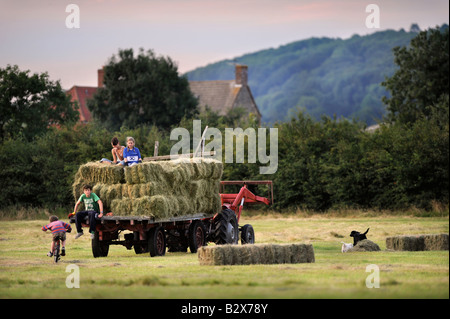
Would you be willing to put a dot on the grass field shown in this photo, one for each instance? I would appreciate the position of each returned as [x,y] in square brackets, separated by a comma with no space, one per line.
[26,271]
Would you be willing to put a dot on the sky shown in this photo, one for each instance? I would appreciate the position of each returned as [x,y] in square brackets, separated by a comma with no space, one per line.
[35,36]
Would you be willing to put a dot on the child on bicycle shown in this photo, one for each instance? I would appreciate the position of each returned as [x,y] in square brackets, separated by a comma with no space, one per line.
[59,229]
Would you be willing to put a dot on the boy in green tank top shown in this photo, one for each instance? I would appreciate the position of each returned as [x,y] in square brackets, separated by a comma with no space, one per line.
[93,208]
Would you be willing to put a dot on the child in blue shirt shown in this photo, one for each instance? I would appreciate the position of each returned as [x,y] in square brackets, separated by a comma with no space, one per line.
[131,154]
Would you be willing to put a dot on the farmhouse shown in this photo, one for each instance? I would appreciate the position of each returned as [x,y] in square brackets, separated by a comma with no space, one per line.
[219,96]
[224,96]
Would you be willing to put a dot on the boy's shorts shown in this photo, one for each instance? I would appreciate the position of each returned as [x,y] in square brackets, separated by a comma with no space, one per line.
[61,236]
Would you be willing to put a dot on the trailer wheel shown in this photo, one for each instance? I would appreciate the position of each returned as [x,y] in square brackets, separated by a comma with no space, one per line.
[99,248]
[139,247]
[226,229]
[157,241]
[247,234]
[197,236]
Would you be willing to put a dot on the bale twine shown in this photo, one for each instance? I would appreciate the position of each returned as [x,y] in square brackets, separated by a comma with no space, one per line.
[161,189]
[365,245]
[418,242]
[256,254]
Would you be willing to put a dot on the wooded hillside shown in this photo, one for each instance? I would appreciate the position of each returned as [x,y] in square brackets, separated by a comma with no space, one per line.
[319,75]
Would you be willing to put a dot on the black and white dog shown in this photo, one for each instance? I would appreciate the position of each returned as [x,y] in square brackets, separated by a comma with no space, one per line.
[357,236]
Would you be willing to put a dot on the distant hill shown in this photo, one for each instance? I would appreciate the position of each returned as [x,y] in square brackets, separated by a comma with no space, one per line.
[320,75]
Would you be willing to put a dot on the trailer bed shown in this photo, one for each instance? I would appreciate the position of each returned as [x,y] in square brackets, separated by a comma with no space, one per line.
[154,220]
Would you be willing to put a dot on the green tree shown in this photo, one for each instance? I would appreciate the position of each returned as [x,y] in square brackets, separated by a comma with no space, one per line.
[29,104]
[142,90]
[422,79]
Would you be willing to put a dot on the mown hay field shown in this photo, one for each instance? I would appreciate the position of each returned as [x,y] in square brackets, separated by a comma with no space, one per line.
[26,271]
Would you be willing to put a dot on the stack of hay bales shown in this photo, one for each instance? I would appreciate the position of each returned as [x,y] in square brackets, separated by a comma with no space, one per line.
[418,242]
[256,254]
[365,245]
[160,189]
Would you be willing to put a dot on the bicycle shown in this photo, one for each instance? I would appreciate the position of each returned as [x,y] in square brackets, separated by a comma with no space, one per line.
[56,251]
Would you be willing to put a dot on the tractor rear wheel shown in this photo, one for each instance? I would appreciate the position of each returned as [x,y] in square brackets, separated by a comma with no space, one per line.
[226,230]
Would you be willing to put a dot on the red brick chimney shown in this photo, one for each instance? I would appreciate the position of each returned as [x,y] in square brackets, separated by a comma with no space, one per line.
[241,74]
[100,73]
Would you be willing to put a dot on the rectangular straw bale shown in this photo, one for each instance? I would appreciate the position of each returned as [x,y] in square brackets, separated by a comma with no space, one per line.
[154,188]
[207,168]
[436,242]
[174,172]
[94,172]
[185,206]
[225,254]
[154,171]
[242,255]
[128,176]
[418,242]
[142,207]
[159,206]
[111,192]
[206,256]
[408,243]
[122,207]
[256,254]
[216,168]
[143,171]
[131,174]
[134,190]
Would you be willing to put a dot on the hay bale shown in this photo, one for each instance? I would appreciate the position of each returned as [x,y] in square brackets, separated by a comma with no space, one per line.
[436,242]
[418,242]
[174,172]
[94,172]
[159,189]
[256,254]
[122,207]
[365,245]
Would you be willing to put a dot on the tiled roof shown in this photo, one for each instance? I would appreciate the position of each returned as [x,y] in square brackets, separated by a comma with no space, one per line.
[218,95]
[81,94]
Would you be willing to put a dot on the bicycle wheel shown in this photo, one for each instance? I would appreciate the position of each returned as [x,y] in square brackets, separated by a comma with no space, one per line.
[56,255]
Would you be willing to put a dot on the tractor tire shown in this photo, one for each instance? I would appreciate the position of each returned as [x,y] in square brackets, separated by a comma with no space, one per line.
[226,230]
[99,249]
[247,234]
[157,241]
[197,236]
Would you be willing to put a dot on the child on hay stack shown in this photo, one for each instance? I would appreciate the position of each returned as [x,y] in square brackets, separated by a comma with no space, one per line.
[131,154]
[59,229]
[93,208]
[117,153]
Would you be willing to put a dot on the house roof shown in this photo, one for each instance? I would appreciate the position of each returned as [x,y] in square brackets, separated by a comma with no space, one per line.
[219,96]
[81,94]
